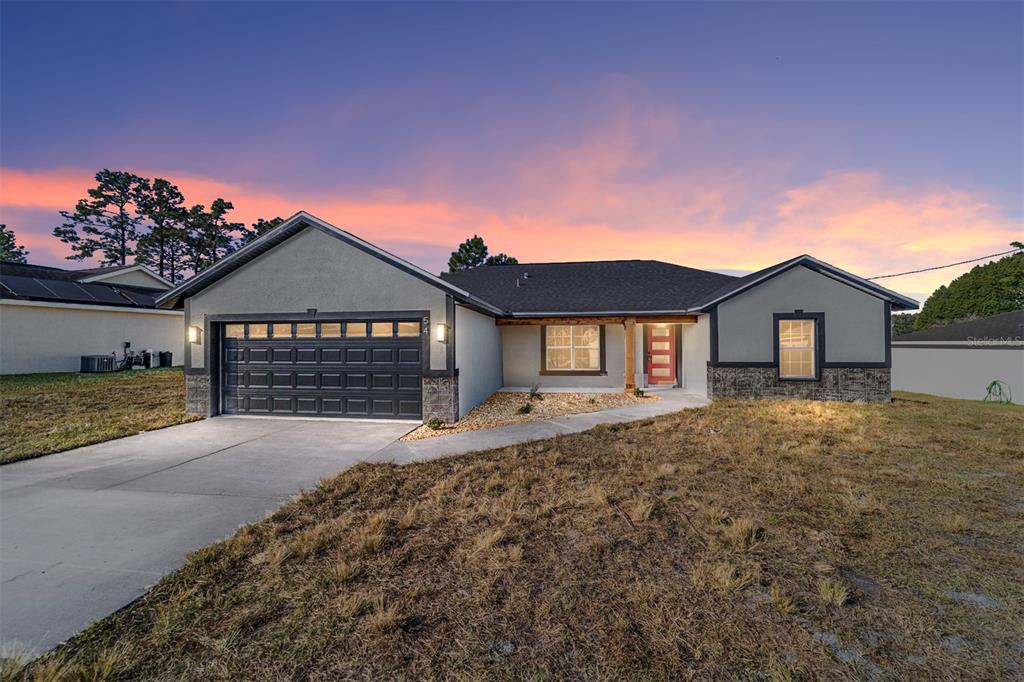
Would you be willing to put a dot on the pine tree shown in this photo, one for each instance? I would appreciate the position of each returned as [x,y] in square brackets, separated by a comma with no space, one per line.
[472,253]
[258,229]
[107,221]
[211,236]
[9,249]
[162,204]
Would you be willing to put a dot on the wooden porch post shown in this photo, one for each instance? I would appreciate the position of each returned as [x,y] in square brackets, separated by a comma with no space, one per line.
[629,325]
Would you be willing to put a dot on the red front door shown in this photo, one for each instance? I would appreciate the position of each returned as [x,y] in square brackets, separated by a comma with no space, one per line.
[661,355]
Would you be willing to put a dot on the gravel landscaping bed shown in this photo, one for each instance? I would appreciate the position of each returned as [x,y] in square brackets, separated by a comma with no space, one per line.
[502,409]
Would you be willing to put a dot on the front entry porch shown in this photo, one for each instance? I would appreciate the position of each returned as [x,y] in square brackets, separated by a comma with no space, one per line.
[646,352]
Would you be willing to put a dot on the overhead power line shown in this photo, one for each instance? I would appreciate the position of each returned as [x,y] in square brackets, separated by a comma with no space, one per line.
[939,267]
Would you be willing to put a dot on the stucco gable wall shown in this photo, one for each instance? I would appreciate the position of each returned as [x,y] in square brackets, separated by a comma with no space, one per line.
[854,320]
[315,270]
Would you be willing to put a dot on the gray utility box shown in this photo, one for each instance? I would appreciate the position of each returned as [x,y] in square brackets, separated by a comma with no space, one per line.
[92,364]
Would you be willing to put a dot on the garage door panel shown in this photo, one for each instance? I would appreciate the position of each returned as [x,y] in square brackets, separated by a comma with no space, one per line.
[258,380]
[409,356]
[357,406]
[334,376]
[357,356]
[306,405]
[383,356]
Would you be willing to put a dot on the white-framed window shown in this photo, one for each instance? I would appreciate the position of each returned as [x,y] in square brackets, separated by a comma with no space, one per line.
[797,349]
[572,348]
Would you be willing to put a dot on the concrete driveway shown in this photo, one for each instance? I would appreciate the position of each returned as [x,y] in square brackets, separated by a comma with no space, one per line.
[84,532]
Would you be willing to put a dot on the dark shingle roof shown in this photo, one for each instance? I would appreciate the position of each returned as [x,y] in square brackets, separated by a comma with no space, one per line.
[1006,326]
[590,287]
[20,281]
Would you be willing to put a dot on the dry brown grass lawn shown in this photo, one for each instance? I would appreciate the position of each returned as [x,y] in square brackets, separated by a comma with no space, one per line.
[745,540]
[45,413]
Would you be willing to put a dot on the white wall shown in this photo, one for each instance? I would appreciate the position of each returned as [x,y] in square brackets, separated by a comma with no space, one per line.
[477,357]
[854,320]
[521,363]
[37,336]
[957,372]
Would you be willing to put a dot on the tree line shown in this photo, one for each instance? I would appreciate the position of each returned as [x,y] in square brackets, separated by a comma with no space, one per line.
[127,218]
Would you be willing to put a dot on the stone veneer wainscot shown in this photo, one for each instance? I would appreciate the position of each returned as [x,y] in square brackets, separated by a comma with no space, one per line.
[871,384]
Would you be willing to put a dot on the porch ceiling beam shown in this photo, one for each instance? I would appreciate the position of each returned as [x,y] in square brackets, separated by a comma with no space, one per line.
[664,319]
[518,321]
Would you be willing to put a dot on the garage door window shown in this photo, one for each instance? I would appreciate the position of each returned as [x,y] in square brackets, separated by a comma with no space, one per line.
[282,330]
[257,331]
[383,329]
[408,328]
[330,330]
[305,330]
[234,331]
[355,330]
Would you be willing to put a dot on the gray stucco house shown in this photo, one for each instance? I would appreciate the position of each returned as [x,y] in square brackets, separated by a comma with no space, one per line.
[310,320]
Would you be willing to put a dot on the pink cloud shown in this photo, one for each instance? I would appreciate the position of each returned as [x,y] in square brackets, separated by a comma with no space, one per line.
[616,191]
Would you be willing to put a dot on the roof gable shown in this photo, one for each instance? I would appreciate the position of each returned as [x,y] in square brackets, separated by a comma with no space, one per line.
[124,274]
[292,226]
[746,282]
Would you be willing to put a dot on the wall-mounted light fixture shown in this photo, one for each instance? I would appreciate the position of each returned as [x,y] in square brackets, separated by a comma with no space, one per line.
[195,334]
[441,332]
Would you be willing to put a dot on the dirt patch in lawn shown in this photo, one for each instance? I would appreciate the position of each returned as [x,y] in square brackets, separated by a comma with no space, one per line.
[744,540]
[46,413]
[503,409]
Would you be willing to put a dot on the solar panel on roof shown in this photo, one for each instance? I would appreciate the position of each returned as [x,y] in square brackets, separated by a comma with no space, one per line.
[140,298]
[68,291]
[104,294]
[27,287]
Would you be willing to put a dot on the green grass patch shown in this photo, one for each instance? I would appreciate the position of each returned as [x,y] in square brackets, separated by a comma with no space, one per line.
[46,413]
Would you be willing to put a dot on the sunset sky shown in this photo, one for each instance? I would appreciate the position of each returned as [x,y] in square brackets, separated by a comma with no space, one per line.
[879,137]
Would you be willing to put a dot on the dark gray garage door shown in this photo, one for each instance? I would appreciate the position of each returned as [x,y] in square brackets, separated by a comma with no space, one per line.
[344,368]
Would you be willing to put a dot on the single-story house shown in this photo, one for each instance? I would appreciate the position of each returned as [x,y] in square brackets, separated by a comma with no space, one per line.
[50,317]
[961,360]
[312,320]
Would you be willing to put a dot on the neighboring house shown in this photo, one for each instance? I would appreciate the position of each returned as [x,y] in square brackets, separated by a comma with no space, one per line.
[961,360]
[311,320]
[50,317]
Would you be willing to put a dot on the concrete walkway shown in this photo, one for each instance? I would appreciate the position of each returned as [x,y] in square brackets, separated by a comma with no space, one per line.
[403,452]
[84,532]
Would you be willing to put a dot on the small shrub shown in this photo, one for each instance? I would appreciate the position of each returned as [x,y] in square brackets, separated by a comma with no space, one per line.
[383,617]
[525,409]
[833,592]
[782,602]
[535,393]
[638,392]
[741,534]
[722,577]
[434,424]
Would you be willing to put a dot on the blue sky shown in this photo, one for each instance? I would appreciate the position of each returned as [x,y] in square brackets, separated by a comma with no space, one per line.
[879,135]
